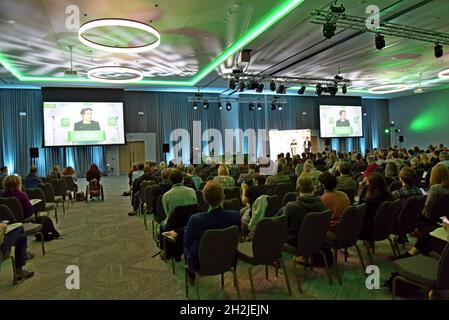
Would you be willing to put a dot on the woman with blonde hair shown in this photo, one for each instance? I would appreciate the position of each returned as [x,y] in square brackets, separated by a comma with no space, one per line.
[223,177]
[56,173]
[12,188]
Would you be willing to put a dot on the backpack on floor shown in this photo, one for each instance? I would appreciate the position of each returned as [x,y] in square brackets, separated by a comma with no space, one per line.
[48,229]
[80,196]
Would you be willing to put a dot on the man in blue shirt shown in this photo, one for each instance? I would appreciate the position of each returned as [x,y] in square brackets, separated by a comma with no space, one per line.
[215,218]
[32,181]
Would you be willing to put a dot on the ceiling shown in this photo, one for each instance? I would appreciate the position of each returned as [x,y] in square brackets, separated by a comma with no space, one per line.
[200,40]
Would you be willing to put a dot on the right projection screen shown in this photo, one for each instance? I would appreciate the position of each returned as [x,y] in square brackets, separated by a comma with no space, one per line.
[341,121]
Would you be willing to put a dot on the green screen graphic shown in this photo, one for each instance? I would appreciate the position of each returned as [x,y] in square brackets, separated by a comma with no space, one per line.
[65,123]
[343,131]
[112,121]
[86,136]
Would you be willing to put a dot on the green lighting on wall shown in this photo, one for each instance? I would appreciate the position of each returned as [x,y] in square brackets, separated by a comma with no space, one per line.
[387,131]
[432,119]
[264,24]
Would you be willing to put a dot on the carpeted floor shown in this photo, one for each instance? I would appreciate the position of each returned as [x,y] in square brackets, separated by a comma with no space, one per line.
[114,255]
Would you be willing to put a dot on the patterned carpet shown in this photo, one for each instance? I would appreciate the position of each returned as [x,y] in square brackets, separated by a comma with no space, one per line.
[114,255]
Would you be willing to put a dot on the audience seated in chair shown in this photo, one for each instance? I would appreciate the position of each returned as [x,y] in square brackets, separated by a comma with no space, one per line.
[56,173]
[32,181]
[93,173]
[344,180]
[147,176]
[305,203]
[334,200]
[407,177]
[12,187]
[196,179]
[223,177]
[130,174]
[16,238]
[138,173]
[3,175]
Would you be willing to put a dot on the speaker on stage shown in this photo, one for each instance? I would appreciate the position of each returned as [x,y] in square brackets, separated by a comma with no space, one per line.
[165,148]
[34,153]
[401,138]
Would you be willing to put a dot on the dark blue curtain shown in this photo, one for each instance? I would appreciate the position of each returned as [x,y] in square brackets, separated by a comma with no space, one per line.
[21,127]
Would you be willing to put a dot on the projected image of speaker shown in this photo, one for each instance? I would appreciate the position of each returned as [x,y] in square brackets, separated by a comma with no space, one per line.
[34,153]
[165,148]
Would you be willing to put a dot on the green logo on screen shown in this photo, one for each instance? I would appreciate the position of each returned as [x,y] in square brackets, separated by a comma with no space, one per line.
[331,120]
[65,123]
[112,122]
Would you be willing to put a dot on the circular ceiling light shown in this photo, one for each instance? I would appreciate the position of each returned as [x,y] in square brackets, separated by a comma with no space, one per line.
[119,23]
[389,88]
[115,74]
[444,74]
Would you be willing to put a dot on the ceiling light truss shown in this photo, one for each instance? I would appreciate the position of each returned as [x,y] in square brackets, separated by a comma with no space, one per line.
[200,99]
[385,28]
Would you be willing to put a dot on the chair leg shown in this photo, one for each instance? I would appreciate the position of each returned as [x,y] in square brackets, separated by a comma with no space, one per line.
[56,214]
[251,282]
[298,281]
[287,282]
[222,281]
[337,272]
[42,243]
[362,262]
[327,267]
[186,281]
[393,290]
[197,286]
[392,247]
[266,272]
[173,265]
[145,219]
[370,257]
[236,282]
[14,270]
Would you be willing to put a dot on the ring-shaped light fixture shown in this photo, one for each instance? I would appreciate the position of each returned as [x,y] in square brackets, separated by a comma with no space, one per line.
[444,74]
[389,88]
[138,74]
[119,23]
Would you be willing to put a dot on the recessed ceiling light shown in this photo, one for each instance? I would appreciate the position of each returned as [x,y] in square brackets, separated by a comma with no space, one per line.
[11,21]
[119,23]
[389,88]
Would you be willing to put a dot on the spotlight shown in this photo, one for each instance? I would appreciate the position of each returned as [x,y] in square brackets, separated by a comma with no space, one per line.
[438,50]
[332,90]
[220,106]
[272,85]
[251,106]
[242,87]
[329,29]
[260,88]
[380,41]
[280,108]
[319,89]
[228,106]
[302,90]
[195,106]
[259,106]
[281,89]
[335,9]
[344,89]
[273,106]
[253,85]
[206,105]
[232,84]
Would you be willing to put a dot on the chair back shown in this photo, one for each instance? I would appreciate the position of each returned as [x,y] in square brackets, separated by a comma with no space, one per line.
[232,193]
[232,204]
[14,205]
[440,209]
[181,216]
[282,188]
[288,197]
[349,226]
[396,185]
[46,179]
[410,214]
[37,194]
[274,204]
[442,282]
[60,187]
[201,202]
[269,238]
[350,192]
[312,233]
[159,213]
[6,214]
[147,192]
[143,185]
[70,183]
[49,192]
[384,219]
[218,250]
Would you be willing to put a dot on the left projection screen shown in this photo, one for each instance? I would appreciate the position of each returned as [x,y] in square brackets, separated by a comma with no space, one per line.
[83,123]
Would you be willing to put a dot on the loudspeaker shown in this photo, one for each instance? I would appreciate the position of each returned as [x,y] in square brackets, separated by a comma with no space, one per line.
[401,138]
[165,148]
[34,153]
[327,142]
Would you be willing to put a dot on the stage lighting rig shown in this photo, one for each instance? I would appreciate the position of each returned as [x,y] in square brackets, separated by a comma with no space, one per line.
[302,90]
[272,85]
[319,89]
[379,41]
[438,50]
[228,106]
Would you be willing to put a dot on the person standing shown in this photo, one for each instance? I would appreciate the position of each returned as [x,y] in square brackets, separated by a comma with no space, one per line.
[307,145]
